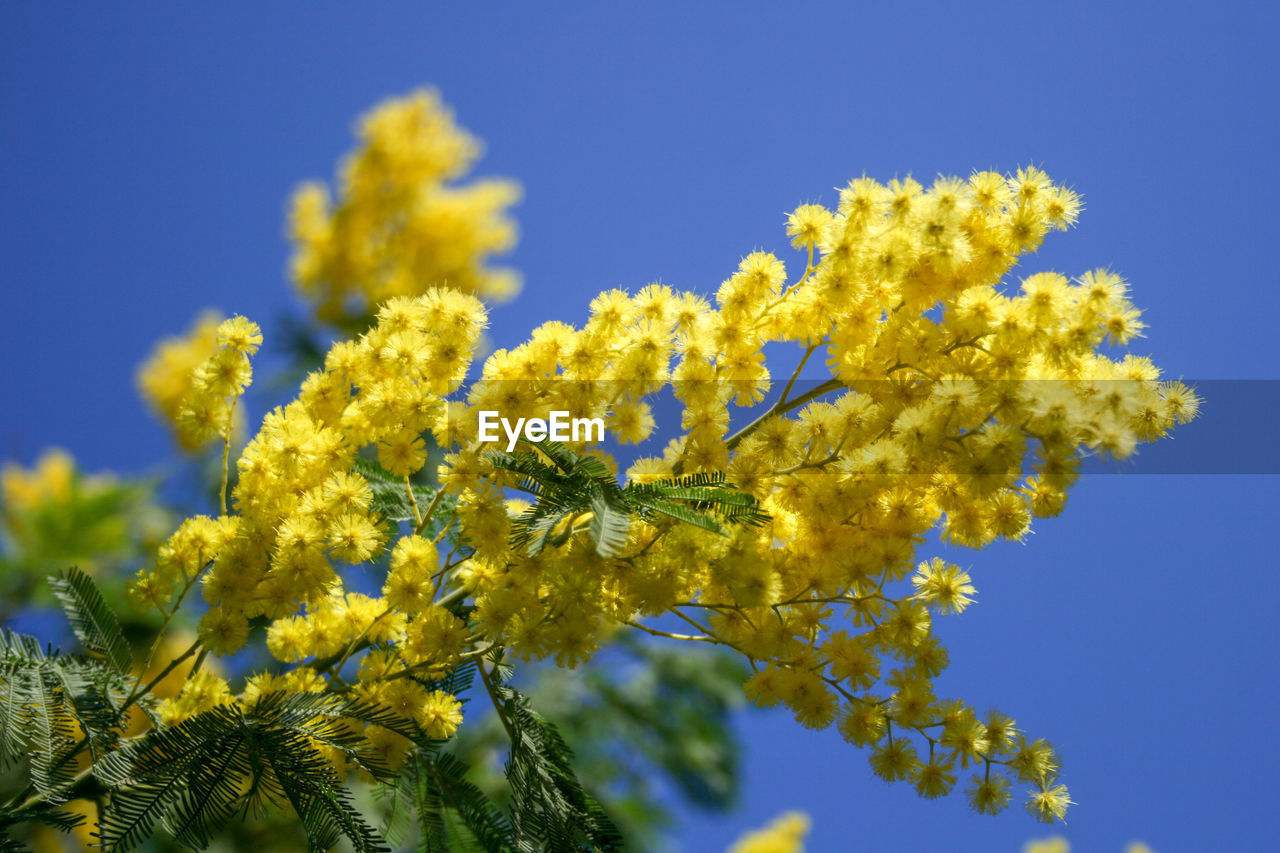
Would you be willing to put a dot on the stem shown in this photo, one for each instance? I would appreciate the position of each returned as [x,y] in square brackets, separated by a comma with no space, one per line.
[155,645]
[796,375]
[173,664]
[459,593]
[429,511]
[655,632]
[780,408]
[351,646]
[497,703]
[195,667]
[413,501]
[324,663]
[226,451]
[445,525]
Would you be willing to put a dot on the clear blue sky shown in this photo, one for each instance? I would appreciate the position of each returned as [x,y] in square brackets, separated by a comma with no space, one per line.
[146,154]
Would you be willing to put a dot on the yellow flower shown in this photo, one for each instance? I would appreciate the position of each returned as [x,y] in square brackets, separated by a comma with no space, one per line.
[223,631]
[785,834]
[397,226]
[440,714]
[943,586]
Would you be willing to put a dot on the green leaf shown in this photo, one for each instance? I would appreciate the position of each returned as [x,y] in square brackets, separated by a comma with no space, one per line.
[11,709]
[43,813]
[43,697]
[150,777]
[196,776]
[550,810]
[610,524]
[443,790]
[396,800]
[579,483]
[681,513]
[50,729]
[390,495]
[91,619]
[536,474]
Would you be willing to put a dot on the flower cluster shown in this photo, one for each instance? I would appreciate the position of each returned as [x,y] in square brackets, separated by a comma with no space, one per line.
[194,382]
[949,401]
[398,226]
[303,508]
[53,515]
[52,478]
[785,834]
[942,389]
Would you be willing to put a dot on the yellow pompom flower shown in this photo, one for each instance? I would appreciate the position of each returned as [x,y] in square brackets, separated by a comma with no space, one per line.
[194,382]
[402,454]
[223,631]
[1049,804]
[239,334]
[943,586]
[439,714]
[354,538]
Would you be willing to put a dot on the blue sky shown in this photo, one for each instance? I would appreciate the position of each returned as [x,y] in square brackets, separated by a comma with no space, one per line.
[146,154]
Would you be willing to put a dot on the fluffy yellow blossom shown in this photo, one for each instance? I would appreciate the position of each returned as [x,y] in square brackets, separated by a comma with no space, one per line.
[51,478]
[439,714]
[202,691]
[1049,804]
[943,586]
[166,379]
[953,400]
[399,225]
[784,834]
[194,382]
[223,631]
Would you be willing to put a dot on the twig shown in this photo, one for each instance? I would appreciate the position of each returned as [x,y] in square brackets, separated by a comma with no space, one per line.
[655,632]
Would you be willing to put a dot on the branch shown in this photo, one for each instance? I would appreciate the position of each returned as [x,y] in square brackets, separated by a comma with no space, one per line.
[781,408]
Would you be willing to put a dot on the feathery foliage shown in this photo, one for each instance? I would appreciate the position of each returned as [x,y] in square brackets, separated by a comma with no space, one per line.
[95,625]
[45,697]
[550,810]
[575,485]
[196,776]
[390,500]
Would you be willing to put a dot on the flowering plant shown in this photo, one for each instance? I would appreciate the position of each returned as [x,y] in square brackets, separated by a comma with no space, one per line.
[783,520]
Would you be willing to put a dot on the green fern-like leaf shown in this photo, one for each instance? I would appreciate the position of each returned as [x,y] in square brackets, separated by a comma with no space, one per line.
[550,810]
[610,522]
[51,730]
[396,801]
[678,512]
[575,484]
[91,619]
[11,709]
[44,697]
[444,792]
[390,500]
[196,776]
[42,813]
[151,777]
